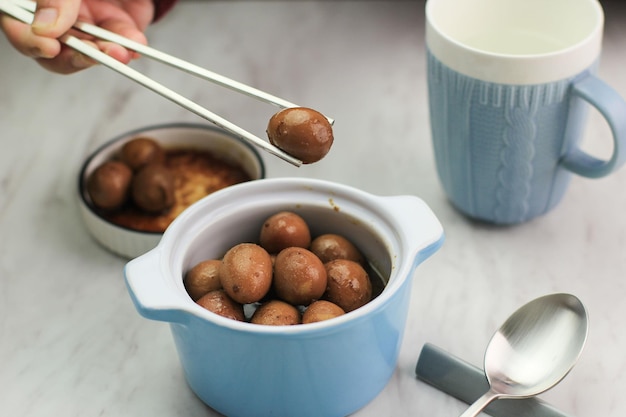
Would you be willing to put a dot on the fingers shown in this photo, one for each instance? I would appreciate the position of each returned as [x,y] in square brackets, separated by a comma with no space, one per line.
[141,11]
[126,28]
[129,21]
[55,17]
[26,42]
[67,62]
[51,20]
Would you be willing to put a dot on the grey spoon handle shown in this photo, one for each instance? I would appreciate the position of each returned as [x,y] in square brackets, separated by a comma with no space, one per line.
[467,383]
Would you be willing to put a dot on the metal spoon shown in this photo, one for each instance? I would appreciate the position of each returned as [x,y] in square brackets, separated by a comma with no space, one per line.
[534,349]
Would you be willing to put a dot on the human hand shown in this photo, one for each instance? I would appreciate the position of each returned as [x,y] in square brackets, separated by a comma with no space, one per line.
[53,18]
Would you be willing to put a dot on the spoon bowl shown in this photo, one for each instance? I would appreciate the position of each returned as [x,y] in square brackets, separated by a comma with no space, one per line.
[534,349]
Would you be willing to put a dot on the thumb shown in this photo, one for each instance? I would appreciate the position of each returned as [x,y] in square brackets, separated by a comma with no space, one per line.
[55,17]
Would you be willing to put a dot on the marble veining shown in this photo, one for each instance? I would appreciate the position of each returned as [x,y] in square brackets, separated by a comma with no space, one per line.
[71,342]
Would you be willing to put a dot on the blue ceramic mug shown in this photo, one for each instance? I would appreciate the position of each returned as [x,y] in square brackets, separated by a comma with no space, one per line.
[329,368]
[510,82]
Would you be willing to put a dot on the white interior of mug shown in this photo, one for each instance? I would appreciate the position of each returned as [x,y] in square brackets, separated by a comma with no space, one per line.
[552,39]
[516,27]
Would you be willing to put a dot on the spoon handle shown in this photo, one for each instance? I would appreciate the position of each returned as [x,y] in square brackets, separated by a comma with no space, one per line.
[480,404]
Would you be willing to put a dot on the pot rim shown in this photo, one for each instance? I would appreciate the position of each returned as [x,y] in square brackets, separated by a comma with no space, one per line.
[167,259]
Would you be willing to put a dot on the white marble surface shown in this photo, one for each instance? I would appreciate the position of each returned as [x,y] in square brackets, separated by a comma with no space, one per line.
[72,344]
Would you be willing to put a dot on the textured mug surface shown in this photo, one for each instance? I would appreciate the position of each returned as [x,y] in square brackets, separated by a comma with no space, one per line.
[330,368]
[510,83]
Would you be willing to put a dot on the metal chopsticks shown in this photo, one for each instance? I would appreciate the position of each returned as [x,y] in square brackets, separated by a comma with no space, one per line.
[23,10]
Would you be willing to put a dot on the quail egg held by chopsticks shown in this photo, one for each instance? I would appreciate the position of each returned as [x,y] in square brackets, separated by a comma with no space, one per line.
[301,132]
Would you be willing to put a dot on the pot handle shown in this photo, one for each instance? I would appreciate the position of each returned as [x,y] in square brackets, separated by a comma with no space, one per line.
[418,224]
[154,296]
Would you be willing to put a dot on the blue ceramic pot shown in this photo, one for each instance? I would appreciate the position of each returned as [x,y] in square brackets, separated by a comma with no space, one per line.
[329,368]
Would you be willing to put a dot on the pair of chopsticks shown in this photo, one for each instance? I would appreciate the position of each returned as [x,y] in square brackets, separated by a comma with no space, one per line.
[23,10]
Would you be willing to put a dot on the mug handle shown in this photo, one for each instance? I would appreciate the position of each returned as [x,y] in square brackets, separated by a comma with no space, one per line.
[613,107]
[153,295]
